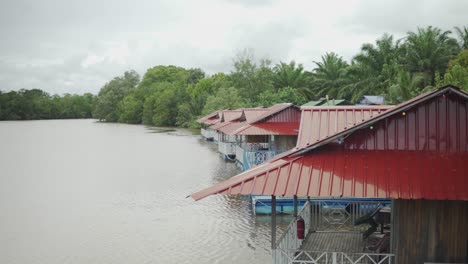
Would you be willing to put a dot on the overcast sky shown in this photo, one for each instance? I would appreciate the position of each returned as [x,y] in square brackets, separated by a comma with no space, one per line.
[77,46]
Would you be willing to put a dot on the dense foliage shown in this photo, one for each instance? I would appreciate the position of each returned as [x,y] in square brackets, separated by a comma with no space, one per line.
[175,96]
[37,104]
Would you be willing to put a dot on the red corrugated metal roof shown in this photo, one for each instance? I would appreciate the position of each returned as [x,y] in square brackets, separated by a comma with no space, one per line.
[417,150]
[231,127]
[209,119]
[277,128]
[231,118]
[212,121]
[272,110]
[247,116]
[231,115]
[320,122]
[254,124]
[408,105]
[251,114]
[355,173]
[218,126]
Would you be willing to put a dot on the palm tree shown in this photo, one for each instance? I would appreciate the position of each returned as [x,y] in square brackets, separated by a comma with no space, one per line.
[407,86]
[376,57]
[330,76]
[428,51]
[463,36]
[373,69]
[288,75]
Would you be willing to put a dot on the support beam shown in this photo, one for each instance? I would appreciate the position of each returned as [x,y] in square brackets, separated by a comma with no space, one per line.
[273,222]
[295,205]
[312,214]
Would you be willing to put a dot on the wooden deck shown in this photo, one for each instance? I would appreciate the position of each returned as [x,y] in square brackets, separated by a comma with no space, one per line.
[351,242]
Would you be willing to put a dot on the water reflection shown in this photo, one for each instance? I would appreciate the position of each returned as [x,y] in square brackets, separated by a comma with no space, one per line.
[77,191]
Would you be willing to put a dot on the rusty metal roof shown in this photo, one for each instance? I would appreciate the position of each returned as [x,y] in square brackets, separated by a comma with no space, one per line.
[250,114]
[272,110]
[243,118]
[231,115]
[275,128]
[320,122]
[416,150]
[220,125]
[231,120]
[209,119]
[230,127]
[283,122]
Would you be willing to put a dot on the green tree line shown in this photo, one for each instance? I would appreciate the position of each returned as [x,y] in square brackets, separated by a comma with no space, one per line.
[37,104]
[397,69]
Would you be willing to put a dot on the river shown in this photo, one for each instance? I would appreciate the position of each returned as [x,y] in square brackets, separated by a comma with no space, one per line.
[80,191]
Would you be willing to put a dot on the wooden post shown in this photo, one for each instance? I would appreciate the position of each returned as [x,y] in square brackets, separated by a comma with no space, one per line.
[295,205]
[392,227]
[311,219]
[273,222]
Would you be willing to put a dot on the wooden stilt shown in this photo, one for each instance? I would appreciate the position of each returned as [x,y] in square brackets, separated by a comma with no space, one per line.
[295,205]
[273,222]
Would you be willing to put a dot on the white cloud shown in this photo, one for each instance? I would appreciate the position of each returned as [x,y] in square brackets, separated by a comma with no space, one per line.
[91,59]
[76,46]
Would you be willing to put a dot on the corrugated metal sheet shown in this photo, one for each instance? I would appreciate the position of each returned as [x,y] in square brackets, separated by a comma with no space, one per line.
[356,173]
[229,128]
[235,119]
[250,114]
[209,119]
[280,119]
[231,115]
[219,119]
[276,128]
[220,125]
[212,121]
[272,110]
[440,124]
[290,114]
[327,168]
[320,122]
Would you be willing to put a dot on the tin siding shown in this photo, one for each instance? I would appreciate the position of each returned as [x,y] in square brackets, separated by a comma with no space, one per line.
[290,114]
[437,125]
[430,231]
[319,123]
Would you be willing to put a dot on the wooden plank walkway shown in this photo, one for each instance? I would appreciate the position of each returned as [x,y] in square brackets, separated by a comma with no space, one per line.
[350,242]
